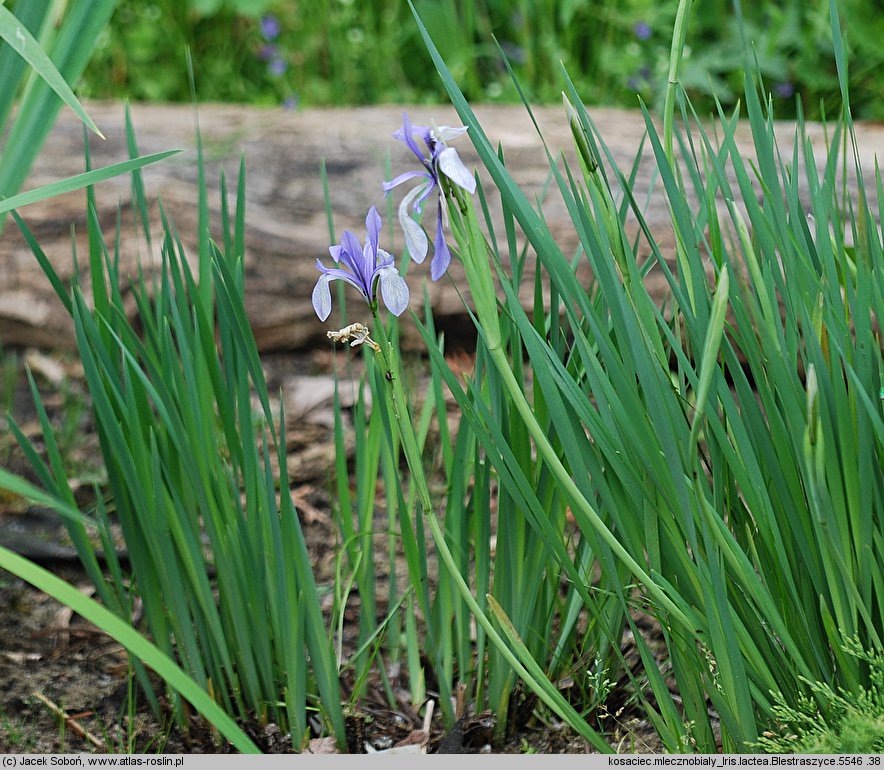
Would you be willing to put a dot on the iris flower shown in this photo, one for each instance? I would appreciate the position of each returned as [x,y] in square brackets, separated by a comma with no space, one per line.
[442,160]
[363,267]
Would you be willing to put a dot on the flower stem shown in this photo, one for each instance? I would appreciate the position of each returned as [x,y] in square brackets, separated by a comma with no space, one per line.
[675,55]
[528,669]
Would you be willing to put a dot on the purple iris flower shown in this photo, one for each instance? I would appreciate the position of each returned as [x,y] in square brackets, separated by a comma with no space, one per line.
[277,67]
[270,27]
[784,90]
[362,267]
[444,160]
[642,30]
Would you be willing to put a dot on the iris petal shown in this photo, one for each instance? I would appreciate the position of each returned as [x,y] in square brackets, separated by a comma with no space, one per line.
[394,290]
[447,133]
[415,237]
[406,135]
[372,228]
[441,252]
[322,297]
[404,178]
[442,160]
[385,259]
[453,167]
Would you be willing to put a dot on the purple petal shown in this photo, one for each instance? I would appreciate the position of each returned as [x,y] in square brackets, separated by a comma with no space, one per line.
[404,178]
[441,254]
[277,67]
[385,259]
[394,290]
[336,274]
[335,252]
[406,135]
[428,190]
[351,252]
[373,226]
[322,297]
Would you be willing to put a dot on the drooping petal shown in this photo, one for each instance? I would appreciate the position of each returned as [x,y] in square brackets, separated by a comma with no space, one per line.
[322,297]
[453,167]
[415,237]
[441,252]
[339,274]
[394,290]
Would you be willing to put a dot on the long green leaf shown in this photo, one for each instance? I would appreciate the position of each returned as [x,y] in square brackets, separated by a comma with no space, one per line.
[134,642]
[80,181]
[20,40]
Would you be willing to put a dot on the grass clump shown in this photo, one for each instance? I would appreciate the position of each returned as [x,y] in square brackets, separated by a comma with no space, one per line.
[712,463]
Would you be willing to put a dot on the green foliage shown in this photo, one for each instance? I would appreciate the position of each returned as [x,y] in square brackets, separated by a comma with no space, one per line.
[852,722]
[345,52]
[14,735]
[191,481]
[115,627]
[720,455]
[42,51]
[715,462]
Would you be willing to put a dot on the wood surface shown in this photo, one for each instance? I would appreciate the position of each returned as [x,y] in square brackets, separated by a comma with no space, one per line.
[287,227]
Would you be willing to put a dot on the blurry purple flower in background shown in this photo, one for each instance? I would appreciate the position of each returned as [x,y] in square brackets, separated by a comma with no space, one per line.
[290,103]
[784,90]
[266,52]
[640,79]
[515,53]
[270,27]
[362,267]
[642,30]
[277,67]
[443,160]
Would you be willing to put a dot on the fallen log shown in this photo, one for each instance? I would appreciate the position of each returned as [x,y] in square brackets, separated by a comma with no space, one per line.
[286,218]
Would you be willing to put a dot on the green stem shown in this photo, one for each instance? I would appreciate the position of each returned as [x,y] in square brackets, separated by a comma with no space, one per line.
[679,34]
[675,54]
[478,270]
[535,678]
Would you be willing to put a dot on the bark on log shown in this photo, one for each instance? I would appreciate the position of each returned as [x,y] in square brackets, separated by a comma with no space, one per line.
[286,220]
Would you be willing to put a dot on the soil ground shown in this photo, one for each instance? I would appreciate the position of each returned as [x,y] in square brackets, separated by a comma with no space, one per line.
[50,657]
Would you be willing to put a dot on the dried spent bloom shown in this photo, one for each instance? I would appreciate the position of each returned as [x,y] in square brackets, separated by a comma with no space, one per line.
[362,267]
[442,160]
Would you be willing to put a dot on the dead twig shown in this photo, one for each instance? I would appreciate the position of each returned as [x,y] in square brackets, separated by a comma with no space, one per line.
[69,721]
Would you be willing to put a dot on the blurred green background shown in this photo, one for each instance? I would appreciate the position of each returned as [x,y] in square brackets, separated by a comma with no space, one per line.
[330,52]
